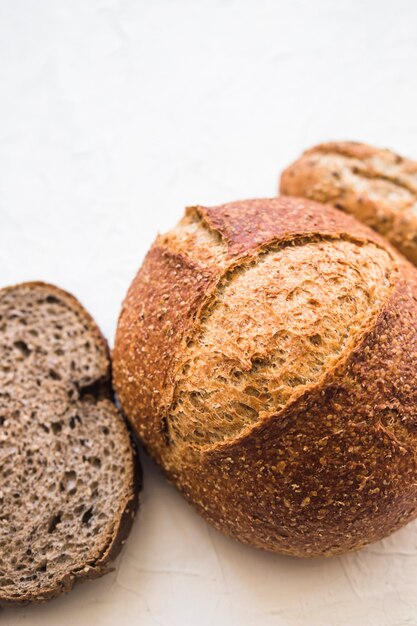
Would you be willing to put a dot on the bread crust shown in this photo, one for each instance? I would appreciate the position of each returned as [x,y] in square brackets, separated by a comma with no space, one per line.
[376,185]
[335,468]
[100,563]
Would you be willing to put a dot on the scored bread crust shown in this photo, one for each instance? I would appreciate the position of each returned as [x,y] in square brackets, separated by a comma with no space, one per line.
[99,385]
[376,185]
[332,470]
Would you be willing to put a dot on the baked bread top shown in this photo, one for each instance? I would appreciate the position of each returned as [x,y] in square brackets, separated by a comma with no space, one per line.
[376,185]
[70,478]
[266,356]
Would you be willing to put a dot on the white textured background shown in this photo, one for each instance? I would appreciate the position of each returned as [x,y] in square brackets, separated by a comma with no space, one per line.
[113,116]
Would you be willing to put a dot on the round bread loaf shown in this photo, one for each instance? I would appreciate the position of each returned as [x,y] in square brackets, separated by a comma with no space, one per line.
[376,185]
[266,355]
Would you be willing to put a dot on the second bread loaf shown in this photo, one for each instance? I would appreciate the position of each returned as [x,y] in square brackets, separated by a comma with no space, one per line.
[378,186]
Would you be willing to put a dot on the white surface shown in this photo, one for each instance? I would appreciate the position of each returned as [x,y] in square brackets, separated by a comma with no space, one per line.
[113,116]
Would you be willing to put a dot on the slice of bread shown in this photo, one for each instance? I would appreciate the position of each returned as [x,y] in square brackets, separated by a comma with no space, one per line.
[69,476]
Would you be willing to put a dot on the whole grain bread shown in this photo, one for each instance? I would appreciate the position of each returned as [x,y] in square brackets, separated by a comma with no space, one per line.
[266,356]
[376,185]
[69,474]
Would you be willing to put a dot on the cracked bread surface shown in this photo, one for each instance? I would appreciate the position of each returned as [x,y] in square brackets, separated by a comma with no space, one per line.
[271,329]
[69,479]
[268,365]
[376,185]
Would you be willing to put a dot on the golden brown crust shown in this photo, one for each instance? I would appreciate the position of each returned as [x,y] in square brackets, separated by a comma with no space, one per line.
[378,186]
[156,316]
[272,327]
[248,224]
[333,469]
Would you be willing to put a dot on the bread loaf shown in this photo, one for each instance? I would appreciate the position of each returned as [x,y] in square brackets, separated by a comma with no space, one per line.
[378,186]
[69,476]
[266,356]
